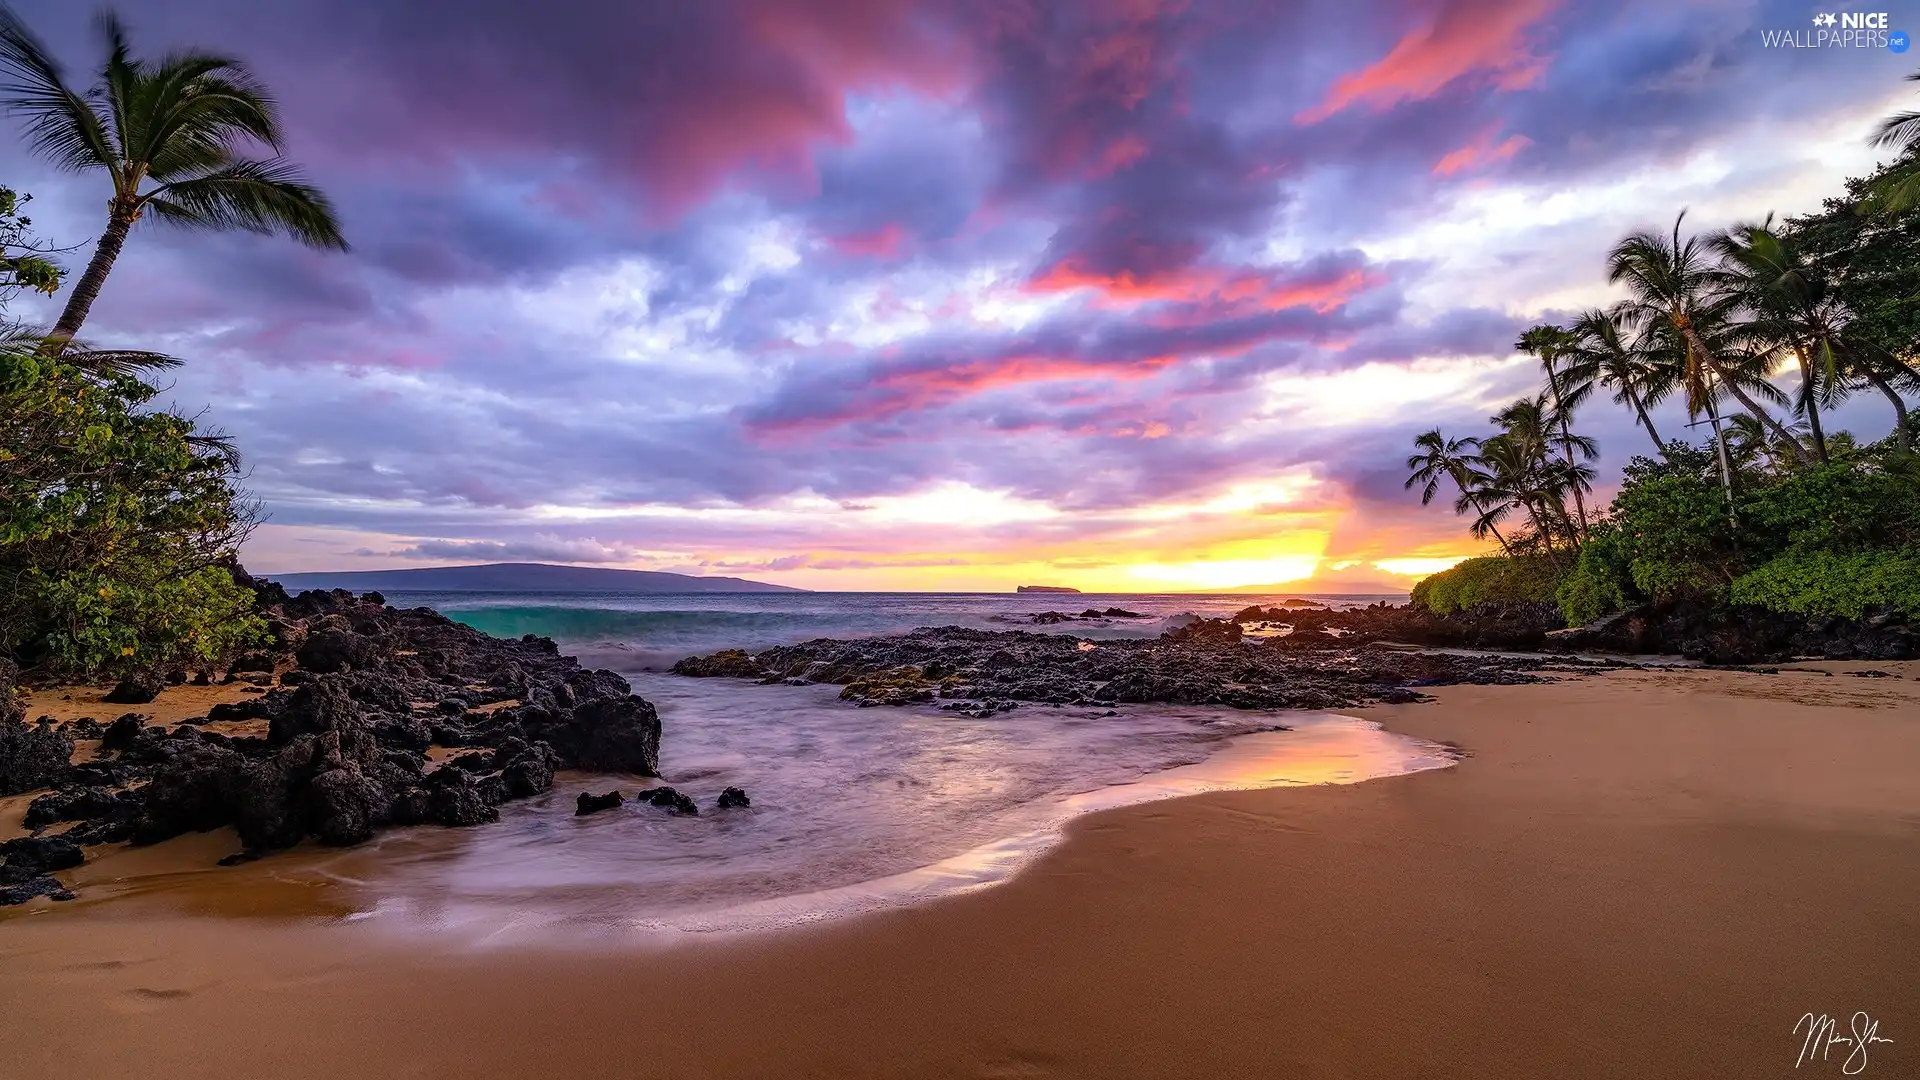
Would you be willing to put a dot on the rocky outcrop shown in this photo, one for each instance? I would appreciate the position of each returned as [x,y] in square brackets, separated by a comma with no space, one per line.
[668,798]
[138,688]
[344,754]
[1203,663]
[31,755]
[733,798]
[1737,634]
[589,803]
[1518,625]
[27,865]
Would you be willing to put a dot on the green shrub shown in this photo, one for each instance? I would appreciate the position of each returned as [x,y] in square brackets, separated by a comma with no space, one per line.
[116,525]
[1602,581]
[1824,583]
[1493,577]
[1837,507]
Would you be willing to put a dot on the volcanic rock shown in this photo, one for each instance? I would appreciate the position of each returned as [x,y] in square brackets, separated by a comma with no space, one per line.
[592,804]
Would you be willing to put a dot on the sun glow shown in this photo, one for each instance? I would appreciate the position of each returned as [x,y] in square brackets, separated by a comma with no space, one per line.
[1228,573]
[1418,567]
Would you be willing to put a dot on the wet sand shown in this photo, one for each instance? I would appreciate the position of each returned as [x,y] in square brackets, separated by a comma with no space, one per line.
[1635,874]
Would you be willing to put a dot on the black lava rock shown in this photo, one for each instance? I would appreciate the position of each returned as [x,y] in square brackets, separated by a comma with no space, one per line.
[31,755]
[138,688]
[733,797]
[32,887]
[589,803]
[42,853]
[669,799]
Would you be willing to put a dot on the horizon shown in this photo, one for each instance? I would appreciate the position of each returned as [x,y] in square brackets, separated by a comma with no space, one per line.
[1134,299]
[1268,589]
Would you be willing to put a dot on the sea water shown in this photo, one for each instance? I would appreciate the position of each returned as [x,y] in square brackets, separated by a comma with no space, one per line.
[853,808]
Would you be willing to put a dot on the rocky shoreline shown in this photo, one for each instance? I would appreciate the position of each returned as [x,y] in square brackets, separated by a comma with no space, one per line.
[1209,662]
[1730,635]
[333,747]
[361,717]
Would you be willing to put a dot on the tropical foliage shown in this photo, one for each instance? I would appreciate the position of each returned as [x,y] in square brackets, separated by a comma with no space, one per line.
[1491,579]
[117,521]
[1759,331]
[170,135]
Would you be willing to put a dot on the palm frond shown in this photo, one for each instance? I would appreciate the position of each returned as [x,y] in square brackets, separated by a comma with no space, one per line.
[61,125]
[258,196]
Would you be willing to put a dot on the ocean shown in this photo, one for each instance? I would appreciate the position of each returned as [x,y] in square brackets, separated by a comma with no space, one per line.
[852,808]
[654,630]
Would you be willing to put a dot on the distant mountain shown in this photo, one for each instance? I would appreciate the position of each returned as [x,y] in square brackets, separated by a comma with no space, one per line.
[1045,589]
[521,577]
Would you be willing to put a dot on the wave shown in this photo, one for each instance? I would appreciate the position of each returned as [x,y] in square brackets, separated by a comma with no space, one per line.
[612,624]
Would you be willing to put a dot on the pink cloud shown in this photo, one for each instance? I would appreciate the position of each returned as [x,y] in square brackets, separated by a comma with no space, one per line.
[1466,37]
[1481,152]
[1210,292]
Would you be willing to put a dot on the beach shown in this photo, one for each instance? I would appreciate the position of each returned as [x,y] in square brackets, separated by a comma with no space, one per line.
[1636,873]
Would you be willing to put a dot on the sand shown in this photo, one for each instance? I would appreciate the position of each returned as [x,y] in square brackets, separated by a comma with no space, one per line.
[1641,874]
[172,705]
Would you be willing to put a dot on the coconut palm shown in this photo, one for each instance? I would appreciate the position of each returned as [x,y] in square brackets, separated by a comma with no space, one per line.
[1553,345]
[1452,459]
[1604,355]
[1673,283]
[1793,308]
[169,133]
[1899,189]
[1674,298]
[1530,427]
[1512,477]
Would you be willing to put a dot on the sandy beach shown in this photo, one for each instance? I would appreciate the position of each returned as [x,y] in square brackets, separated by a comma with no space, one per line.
[1643,873]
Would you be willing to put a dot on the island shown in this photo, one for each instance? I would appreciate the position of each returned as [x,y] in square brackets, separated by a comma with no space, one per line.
[522,577]
[1046,588]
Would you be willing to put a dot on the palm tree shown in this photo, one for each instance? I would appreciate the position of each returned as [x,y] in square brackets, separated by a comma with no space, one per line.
[1604,355]
[1751,445]
[169,135]
[1531,436]
[1886,374]
[1553,344]
[1673,283]
[1512,477]
[1899,189]
[1793,307]
[1453,459]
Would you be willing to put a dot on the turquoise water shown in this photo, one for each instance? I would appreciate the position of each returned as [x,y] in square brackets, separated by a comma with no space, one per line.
[651,631]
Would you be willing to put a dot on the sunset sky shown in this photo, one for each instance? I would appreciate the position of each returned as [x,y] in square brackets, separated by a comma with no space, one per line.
[1132,295]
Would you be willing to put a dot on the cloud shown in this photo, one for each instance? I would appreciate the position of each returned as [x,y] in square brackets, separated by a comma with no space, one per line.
[727,284]
[1485,39]
[536,549]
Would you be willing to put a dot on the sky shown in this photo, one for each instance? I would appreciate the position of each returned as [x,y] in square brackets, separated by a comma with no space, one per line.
[1125,295]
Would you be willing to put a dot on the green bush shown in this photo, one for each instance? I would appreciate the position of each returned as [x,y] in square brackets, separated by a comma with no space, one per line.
[1824,583]
[1493,577]
[1671,520]
[1837,507]
[1602,581]
[116,525]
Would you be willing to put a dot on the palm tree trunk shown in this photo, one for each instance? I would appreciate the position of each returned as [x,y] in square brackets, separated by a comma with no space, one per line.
[1491,527]
[1720,444]
[87,289]
[1780,433]
[1640,410]
[1900,434]
[1811,402]
[1566,445]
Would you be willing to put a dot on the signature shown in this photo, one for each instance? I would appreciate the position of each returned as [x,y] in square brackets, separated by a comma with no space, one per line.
[1823,1034]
